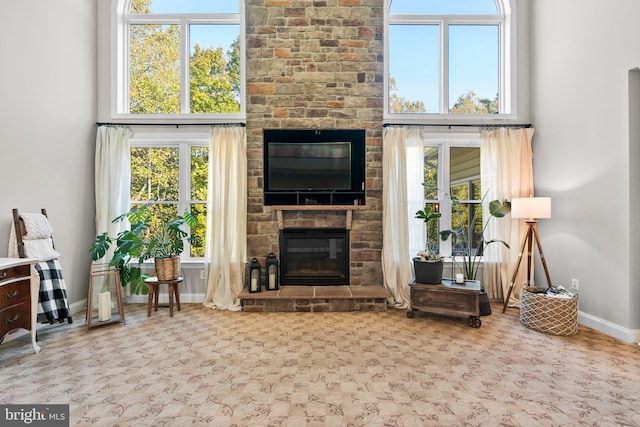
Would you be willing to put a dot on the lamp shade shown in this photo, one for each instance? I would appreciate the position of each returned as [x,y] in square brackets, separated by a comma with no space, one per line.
[531,207]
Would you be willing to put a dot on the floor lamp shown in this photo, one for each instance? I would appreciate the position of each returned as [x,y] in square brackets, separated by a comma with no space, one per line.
[530,208]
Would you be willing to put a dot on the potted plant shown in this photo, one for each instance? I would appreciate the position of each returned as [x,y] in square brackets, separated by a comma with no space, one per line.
[148,237]
[468,253]
[428,265]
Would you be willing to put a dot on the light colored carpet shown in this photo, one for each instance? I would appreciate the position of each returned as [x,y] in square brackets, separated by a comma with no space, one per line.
[205,367]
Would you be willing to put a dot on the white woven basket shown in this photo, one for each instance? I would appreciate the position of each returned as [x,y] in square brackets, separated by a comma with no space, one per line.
[554,316]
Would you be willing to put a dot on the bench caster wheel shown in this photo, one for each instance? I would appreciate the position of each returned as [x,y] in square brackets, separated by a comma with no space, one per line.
[475,322]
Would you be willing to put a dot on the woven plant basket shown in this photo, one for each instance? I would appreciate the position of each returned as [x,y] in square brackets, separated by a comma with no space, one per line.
[553,316]
[167,268]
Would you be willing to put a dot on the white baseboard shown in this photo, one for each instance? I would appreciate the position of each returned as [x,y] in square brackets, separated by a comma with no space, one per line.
[608,328]
[78,306]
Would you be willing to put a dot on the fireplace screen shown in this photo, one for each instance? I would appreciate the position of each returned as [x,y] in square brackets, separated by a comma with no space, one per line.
[314,256]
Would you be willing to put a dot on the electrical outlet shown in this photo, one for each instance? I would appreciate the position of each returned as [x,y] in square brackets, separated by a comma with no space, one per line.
[202,274]
[575,284]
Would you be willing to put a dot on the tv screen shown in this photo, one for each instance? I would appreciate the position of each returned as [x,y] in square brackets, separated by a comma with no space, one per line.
[305,166]
[309,166]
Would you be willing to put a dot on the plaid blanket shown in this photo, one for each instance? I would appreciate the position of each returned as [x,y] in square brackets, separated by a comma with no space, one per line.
[53,293]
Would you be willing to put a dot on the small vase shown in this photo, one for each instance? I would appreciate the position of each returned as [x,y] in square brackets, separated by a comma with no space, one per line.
[428,271]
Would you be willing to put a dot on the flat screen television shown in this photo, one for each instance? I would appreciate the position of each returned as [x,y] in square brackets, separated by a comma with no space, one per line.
[309,167]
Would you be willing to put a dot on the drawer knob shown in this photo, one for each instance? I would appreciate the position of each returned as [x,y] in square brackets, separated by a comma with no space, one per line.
[13,319]
[15,293]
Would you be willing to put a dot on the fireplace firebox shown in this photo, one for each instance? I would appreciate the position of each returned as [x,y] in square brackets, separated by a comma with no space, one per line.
[314,256]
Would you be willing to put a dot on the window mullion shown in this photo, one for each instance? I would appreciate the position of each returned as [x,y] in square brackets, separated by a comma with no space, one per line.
[444,66]
[185,92]
[184,174]
[123,84]
[506,79]
[445,202]
[184,189]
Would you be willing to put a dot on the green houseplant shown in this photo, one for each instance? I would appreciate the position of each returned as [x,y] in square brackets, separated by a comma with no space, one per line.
[468,252]
[148,237]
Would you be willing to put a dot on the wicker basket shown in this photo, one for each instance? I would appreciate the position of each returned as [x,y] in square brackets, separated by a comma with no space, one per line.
[167,268]
[553,316]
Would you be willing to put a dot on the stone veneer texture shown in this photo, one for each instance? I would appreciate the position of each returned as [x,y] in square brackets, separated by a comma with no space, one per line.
[316,65]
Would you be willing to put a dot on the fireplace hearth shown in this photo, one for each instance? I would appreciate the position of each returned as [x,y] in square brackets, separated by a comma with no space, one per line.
[314,256]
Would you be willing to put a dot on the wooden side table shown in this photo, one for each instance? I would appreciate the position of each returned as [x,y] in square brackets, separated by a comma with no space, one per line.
[154,285]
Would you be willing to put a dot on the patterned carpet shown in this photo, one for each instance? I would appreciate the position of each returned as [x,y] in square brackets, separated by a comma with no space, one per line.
[219,368]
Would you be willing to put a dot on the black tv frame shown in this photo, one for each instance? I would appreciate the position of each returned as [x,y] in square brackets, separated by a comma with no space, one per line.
[355,195]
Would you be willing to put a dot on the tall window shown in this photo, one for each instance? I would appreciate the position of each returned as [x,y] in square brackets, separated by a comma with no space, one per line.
[171,173]
[180,58]
[451,171]
[448,57]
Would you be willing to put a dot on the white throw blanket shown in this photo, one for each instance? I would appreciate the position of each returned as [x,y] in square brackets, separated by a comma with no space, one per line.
[37,242]
[36,225]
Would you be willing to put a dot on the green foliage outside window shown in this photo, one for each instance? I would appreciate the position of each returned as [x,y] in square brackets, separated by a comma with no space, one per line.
[215,80]
[199,179]
[154,64]
[467,103]
[155,179]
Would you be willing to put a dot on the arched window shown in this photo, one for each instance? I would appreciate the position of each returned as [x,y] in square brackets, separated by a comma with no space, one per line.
[448,57]
[179,59]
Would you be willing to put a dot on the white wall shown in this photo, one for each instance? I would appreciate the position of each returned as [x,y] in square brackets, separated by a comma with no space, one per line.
[47,132]
[582,51]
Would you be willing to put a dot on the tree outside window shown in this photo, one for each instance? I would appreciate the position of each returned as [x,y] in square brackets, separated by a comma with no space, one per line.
[447,57]
[160,83]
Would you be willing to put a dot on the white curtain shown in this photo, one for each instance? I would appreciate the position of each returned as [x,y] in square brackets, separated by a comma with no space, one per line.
[507,172]
[415,177]
[396,260]
[112,180]
[226,242]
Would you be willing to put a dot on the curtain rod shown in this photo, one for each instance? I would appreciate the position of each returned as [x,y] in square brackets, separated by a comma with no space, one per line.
[475,125]
[168,124]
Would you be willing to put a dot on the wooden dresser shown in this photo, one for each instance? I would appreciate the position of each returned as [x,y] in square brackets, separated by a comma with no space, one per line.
[19,288]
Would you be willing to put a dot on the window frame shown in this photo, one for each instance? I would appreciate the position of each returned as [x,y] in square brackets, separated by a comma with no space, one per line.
[121,20]
[183,141]
[444,143]
[507,70]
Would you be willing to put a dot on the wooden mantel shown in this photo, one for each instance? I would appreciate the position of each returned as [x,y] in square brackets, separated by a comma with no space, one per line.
[348,209]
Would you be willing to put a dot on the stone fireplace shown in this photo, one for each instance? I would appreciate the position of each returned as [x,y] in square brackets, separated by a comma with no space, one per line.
[314,256]
[316,65]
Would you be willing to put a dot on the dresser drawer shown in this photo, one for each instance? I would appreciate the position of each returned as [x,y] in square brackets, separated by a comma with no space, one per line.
[17,271]
[17,316]
[14,293]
